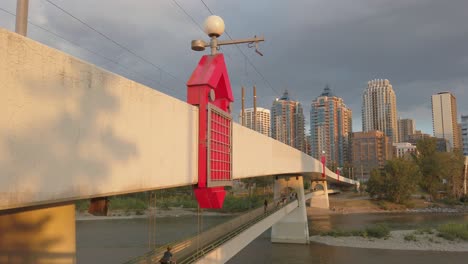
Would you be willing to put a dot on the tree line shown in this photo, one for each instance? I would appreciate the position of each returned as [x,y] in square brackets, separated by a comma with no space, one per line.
[436,173]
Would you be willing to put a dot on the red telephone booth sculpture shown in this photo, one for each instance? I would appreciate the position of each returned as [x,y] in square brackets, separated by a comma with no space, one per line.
[209,89]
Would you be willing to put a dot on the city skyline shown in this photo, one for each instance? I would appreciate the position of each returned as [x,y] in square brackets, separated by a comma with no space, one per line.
[345,56]
[409,123]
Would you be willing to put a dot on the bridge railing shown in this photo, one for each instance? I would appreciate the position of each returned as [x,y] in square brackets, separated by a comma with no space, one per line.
[192,248]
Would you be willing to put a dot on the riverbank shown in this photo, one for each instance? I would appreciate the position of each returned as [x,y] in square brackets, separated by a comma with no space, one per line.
[396,241]
[353,203]
[159,213]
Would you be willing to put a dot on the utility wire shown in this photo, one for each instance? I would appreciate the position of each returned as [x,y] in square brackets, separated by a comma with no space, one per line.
[193,21]
[91,51]
[245,56]
[187,14]
[113,41]
[209,10]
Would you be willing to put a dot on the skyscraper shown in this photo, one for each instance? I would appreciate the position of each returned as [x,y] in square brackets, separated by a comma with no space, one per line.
[287,122]
[464,133]
[330,128]
[263,120]
[379,108]
[406,128]
[444,118]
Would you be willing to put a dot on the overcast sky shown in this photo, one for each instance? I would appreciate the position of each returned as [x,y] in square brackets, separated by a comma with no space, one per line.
[421,46]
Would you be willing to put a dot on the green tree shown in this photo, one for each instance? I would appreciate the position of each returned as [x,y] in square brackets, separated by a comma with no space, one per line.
[429,166]
[396,182]
[257,182]
[440,171]
[375,184]
[451,171]
[401,179]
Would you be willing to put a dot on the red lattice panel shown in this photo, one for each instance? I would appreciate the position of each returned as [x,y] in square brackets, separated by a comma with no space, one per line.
[219,150]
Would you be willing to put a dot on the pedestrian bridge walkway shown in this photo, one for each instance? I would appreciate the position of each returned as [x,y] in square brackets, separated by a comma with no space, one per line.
[222,242]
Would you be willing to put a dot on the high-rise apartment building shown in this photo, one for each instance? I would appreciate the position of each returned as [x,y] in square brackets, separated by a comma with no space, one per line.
[263,120]
[330,128]
[406,128]
[444,118]
[464,133]
[287,122]
[370,151]
[379,108]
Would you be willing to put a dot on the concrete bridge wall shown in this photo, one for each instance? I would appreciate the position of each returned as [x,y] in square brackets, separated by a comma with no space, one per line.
[70,130]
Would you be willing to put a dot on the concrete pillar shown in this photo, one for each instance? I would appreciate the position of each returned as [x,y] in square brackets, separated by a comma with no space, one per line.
[45,235]
[320,198]
[293,228]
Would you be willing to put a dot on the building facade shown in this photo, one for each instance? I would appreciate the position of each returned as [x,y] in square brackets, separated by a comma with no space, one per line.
[307,145]
[370,151]
[406,128]
[464,133]
[416,136]
[442,143]
[403,149]
[287,122]
[330,128]
[262,122]
[379,111]
[444,118]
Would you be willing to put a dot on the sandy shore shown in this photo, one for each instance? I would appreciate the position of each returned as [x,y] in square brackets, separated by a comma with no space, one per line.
[426,242]
[351,203]
[172,212]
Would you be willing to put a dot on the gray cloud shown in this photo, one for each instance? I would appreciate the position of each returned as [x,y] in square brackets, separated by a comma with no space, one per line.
[419,45]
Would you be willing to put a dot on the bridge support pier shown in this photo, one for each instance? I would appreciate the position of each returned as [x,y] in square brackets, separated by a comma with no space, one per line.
[320,198]
[45,235]
[293,228]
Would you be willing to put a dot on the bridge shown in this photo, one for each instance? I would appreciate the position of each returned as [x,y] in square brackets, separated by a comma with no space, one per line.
[70,131]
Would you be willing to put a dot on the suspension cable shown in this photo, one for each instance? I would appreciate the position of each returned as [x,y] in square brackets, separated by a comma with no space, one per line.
[152,220]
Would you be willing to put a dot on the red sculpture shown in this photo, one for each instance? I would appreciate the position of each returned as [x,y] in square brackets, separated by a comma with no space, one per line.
[209,89]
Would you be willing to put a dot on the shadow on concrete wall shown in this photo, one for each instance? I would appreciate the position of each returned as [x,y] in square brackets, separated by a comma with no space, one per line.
[78,143]
[23,241]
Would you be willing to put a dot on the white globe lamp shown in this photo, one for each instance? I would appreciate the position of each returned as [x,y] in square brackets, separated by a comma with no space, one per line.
[214,26]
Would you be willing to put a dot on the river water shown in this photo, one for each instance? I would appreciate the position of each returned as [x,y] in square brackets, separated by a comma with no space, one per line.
[115,241]
[262,250]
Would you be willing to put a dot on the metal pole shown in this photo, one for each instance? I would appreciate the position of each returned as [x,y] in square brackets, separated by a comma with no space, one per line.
[22,17]
[243,107]
[213,45]
[255,107]
[466,172]
[362,174]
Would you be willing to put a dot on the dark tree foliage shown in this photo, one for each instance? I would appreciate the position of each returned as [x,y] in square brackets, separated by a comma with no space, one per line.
[440,171]
[396,182]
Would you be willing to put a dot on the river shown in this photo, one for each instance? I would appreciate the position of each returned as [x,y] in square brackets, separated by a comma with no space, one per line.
[115,241]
